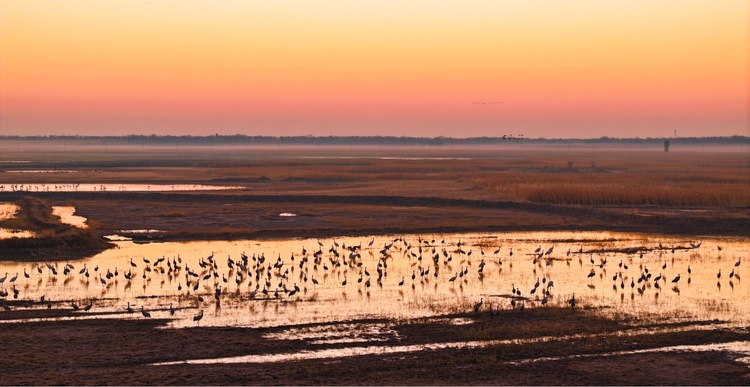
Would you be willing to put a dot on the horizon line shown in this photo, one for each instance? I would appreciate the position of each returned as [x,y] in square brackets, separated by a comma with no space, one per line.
[509,137]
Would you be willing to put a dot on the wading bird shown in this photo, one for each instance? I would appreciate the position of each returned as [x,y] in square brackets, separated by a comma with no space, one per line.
[478,305]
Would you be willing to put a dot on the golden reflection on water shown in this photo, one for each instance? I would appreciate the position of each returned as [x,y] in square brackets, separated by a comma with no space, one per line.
[469,268]
[66,214]
[7,211]
[67,187]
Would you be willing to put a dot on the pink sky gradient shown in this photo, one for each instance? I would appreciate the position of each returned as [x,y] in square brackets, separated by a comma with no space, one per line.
[561,69]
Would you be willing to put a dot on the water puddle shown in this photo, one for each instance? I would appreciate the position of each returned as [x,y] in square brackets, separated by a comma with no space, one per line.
[6,233]
[337,334]
[117,238]
[739,349]
[66,214]
[120,238]
[39,187]
[8,210]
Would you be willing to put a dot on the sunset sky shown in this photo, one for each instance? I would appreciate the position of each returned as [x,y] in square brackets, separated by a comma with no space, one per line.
[555,68]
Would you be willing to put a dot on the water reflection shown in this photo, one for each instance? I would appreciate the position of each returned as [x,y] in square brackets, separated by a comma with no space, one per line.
[294,281]
[8,211]
[39,187]
[740,349]
[6,233]
[66,214]
[45,171]
[337,334]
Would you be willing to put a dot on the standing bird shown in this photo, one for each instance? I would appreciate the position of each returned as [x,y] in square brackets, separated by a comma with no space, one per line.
[572,301]
[676,279]
[144,312]
[478,305]
[198,317]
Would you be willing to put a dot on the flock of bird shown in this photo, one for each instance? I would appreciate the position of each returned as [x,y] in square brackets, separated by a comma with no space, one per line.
[257,277]
[643,279]
[73,187]
[41,187]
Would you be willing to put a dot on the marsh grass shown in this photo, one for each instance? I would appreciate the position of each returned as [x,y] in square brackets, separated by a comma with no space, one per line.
[36,215]
[173,214]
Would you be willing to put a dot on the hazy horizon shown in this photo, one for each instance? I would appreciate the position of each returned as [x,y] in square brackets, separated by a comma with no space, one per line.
[577,69]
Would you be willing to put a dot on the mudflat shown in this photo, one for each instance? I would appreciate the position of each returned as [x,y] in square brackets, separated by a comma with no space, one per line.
[350,191]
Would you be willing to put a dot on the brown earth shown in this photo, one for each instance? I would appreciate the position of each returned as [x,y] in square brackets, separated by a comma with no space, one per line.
[691,193]
[342,191]
[115,351]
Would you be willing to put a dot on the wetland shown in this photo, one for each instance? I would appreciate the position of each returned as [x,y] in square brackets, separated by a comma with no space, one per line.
[432,265]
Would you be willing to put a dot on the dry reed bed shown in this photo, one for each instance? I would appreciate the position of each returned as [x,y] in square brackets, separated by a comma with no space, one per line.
[689,177]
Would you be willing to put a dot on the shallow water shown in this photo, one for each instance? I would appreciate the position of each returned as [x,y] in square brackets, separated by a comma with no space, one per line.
[39,187]
[697,295]
[6,233]
[45,171]
[66,214]
[8,211]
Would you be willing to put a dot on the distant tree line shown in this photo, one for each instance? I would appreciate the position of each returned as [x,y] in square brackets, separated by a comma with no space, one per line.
[240,139]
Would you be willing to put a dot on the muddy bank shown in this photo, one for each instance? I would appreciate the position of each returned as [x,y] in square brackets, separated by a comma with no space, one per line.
[194,216]
[116,351]
[54,238]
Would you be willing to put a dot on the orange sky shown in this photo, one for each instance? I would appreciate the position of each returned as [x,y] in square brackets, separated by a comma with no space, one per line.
[561,68]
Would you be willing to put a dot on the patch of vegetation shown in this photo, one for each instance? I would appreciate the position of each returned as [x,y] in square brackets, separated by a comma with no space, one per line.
[172,214]
[54,238]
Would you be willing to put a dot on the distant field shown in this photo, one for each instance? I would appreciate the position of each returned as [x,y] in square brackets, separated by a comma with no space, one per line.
[693,176]
[382,190]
